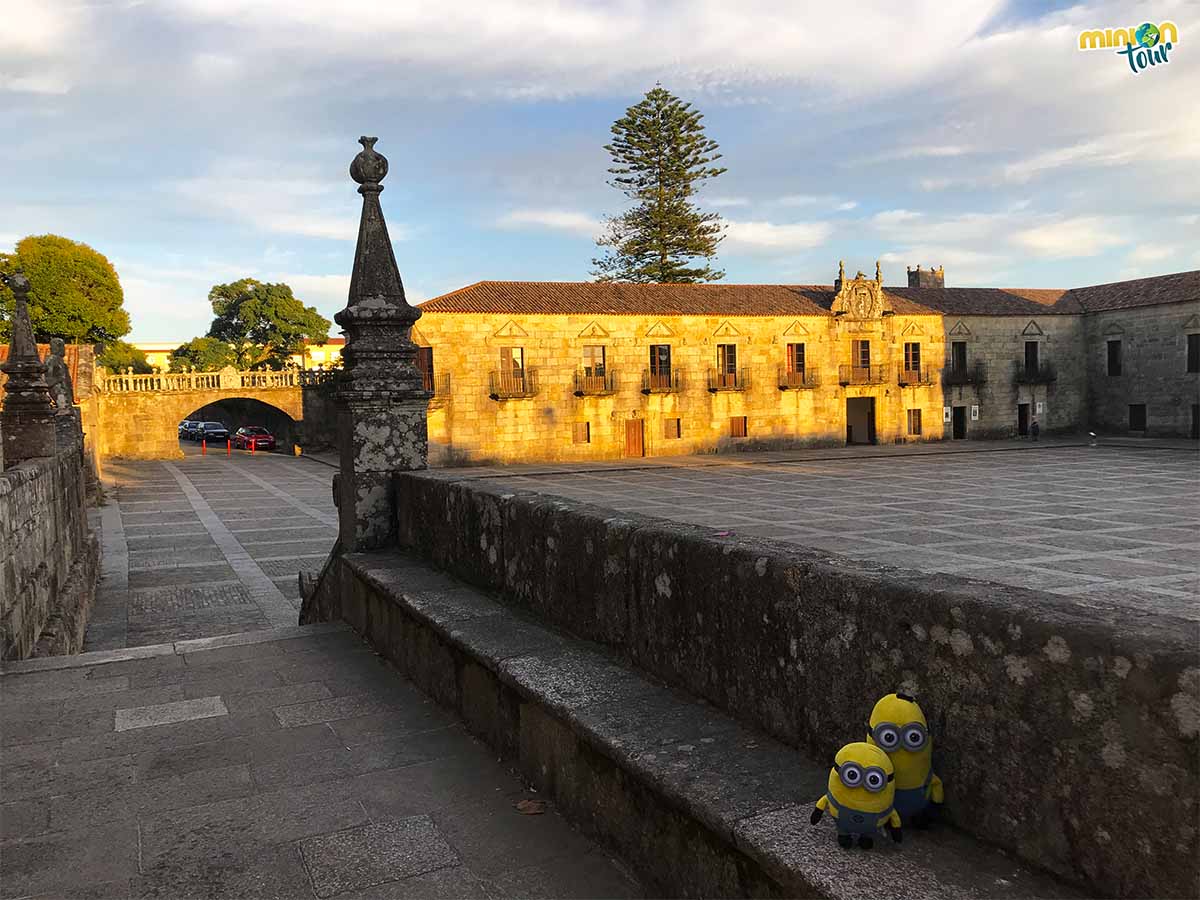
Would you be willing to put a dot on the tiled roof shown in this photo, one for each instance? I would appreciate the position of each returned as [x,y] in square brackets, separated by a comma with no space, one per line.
[70,357]
[592,298]
[1139,292]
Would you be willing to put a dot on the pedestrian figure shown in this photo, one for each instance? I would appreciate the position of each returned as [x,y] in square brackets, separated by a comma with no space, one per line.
[1034,429]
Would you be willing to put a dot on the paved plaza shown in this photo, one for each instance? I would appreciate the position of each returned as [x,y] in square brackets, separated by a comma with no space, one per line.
[1115,524]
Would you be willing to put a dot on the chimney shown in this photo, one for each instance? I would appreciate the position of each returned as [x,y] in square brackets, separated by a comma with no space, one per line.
[926,278]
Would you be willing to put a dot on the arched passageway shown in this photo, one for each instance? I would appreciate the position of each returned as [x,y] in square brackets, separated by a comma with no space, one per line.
[241,412]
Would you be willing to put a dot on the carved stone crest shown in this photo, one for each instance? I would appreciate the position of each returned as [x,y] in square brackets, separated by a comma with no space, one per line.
[860,297]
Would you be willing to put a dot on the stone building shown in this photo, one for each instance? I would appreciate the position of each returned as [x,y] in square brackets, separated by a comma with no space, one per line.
[565,371]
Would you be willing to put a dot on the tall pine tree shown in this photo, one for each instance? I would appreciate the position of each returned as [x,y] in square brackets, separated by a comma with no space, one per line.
[660,156]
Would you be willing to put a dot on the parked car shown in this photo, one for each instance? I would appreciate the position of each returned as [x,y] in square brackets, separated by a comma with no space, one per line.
[183,427]
[212,431]
[192,431]
[253,437]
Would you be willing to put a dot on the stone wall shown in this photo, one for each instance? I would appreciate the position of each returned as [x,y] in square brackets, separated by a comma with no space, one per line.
[472,426]
[998,342]
[1153,368]
[1064,731]
[48,557]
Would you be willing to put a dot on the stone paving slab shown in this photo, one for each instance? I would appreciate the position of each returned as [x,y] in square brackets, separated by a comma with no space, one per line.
[394,801]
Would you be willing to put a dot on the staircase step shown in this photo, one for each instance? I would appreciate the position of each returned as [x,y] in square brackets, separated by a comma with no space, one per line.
[701,804]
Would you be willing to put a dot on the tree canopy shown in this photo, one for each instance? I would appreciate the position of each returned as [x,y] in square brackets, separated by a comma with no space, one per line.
[74,291]
[203,354]
[264,324]
[660,155]
[119,356]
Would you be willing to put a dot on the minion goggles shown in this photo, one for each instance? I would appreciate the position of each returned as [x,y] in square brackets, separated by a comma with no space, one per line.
[890,736]
[873,778]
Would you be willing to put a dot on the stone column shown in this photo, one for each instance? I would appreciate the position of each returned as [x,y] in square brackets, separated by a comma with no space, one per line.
[28,414]
[382,403]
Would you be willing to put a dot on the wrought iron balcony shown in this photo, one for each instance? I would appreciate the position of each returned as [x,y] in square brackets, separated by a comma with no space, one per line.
[920,375]
[728,381]
[976,374]
[662,381]
[438,385]
[595,385]
[1044,373]
[863,374]
[512,384]
[798,381]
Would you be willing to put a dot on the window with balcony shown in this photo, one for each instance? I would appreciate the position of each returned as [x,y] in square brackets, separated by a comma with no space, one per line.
[512,379]
[425,366]
[1114,357]
[1031,357]
[727,364]
[795,359]
[594,376]
[1193,353]
[912,357]
[862,355]
[593,360]
[659,377]
[958,356]
[796,372]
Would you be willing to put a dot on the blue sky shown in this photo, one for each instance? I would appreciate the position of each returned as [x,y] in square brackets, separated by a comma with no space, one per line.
[199,141]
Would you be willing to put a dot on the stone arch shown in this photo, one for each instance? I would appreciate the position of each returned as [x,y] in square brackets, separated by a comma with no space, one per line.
[239,412]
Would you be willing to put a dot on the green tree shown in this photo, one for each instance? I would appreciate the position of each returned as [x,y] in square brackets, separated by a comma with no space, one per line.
[660,156]
[203,354]
[264,324]
[74,291]
[119,356]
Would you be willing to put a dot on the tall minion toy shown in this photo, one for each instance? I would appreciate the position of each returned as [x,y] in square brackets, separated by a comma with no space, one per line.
[898,727]
[859,796]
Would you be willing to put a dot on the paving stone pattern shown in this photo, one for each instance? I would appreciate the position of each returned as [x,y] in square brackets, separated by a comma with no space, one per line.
[299,766]
[1114,524]
[208,545]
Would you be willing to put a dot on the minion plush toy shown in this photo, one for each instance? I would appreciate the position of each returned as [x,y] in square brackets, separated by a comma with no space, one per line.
[898,727]
[860,796]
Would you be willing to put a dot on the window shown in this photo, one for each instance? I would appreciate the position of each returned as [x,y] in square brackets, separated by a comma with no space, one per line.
[672,430]
[1137,416]
[1193,352]
[581,432]
[660,359]
[862,354]
[425,366]
[737,426]
[914,421]
[1114,357]
[1031,357]
[512,359]
[958,356]
[795,358]
[727,359]
[912,357]
[593,360]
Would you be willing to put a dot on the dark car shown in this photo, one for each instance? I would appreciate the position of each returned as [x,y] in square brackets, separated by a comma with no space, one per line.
[212,431]
[253,438]
[183,427]
[191,430]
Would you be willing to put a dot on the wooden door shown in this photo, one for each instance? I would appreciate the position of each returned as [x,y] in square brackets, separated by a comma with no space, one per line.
[960,423]
[635,437]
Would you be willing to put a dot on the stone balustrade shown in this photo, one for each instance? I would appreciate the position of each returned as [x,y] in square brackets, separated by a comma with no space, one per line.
[225,379]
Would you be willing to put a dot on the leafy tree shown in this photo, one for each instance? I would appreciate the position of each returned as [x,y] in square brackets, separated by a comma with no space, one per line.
[119,356]
[75,293]
[204,354]
[264,324]
[660,156]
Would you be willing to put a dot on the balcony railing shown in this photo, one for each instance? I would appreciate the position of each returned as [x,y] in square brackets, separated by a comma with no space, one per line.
[663,381]
[438,385]
[976,374]
[1044,373]
[595,385]
[512,383]
[920,375]
[863,374]
[728,381]
[798,381]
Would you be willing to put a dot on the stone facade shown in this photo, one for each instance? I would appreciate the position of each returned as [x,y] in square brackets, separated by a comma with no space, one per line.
[1151,369]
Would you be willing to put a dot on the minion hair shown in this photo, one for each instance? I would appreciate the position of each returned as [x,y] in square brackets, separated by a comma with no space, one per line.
[902,696]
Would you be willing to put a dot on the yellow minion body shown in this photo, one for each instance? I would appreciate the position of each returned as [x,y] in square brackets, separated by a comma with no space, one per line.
[860,793]
[898,727]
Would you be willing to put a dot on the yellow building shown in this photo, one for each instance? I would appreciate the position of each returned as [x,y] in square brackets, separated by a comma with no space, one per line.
[318,356]
[570,371]
[158,353]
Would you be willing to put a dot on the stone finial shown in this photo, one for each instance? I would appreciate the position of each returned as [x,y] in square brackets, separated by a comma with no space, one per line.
[841,270]
[26,388]
[878,275]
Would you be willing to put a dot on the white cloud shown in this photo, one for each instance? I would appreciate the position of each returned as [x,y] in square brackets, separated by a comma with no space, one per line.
[1069,238]
[768,237]
[1148,253]
[552,219]
[326,292]
[722,202]
[924,151]
[847,206]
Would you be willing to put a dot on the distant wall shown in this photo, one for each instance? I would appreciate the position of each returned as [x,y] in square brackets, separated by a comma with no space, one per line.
[48,557]
[1153,368]
[1065,731]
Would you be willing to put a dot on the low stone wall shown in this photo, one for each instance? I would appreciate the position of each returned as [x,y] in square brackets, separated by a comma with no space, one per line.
[49,558]
[1064,730]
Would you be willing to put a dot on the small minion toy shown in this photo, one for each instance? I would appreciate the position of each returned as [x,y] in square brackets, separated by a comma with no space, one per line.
[860,795]
[898,727]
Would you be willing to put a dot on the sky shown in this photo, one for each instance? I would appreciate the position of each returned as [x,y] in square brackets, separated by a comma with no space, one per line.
[195,142]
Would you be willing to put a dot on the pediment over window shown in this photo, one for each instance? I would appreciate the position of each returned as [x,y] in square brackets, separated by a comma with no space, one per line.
[913,328]
[1114,328]
[796,329]
[1192,324]
[726,330]
[511,329]
[659,329]
[1033,329]
[960,329]
[593,330]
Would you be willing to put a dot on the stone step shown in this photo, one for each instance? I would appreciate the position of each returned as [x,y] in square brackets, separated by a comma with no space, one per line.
[699,803]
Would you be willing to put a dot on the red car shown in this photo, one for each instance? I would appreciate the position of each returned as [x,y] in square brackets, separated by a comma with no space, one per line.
[253,438]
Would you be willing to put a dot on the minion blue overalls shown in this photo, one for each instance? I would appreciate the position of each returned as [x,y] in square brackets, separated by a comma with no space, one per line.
[856,821]
[912,801]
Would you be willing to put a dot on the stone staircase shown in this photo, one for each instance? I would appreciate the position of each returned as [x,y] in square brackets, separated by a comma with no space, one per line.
[699,803]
